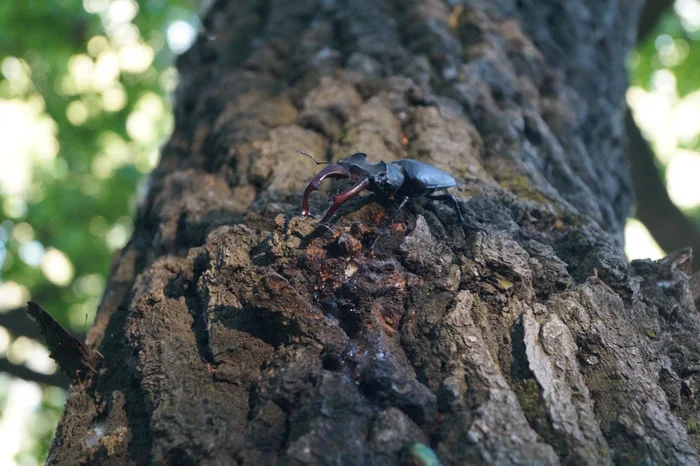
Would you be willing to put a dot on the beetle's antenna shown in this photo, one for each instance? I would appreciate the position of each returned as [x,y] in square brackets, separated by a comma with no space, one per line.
[311,157]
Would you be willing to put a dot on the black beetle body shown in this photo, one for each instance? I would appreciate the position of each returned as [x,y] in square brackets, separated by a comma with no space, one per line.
[401,180]
[419,176]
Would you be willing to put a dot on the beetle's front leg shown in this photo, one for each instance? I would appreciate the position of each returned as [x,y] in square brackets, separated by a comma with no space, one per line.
[363,202]
[339,199]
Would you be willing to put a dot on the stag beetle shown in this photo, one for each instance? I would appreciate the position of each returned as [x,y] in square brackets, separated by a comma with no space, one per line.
[402,180]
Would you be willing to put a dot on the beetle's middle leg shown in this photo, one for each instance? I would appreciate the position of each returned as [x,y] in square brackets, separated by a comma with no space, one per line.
[389,220]
[455,203]
[453,200]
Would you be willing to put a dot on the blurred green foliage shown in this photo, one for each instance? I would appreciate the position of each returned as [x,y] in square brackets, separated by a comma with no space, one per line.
[42,425]
[672,48]
[671,45]
[94,76]
[80,202]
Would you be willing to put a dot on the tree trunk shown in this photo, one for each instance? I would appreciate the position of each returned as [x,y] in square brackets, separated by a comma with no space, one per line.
[232,334]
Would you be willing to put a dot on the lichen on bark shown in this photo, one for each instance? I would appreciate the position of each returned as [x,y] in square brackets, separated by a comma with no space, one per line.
[232,334]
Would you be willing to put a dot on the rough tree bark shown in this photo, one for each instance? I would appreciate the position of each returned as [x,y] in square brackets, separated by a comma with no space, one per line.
[231,335]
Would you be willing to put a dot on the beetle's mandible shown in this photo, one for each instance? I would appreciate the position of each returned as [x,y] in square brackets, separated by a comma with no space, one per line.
[401,180]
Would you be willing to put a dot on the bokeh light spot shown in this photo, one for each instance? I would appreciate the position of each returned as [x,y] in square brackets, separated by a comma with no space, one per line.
[23,232]
[31,253]
[66,86]
[81,68]
[663,40]
[169,79]
[122,11]
[638,242]
[77,112]
[14,207]
[11,68]
[4,340]
[685,118]
[26,135]
[102,167]
[106,70]
[18,76]
[22,398]
[140,127]
[90,285]
[7,261]
[95,6]
[682,175]
[12,295]
[39,360]
[689,12]
[118,235]
[180,36]
[135,58]
[57,268]
[114,99]
[151,104]
[97,44]
[123,34]
[17,352]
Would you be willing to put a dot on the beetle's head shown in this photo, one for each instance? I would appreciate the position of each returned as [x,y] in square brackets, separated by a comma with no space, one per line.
[359,167]
[383,177]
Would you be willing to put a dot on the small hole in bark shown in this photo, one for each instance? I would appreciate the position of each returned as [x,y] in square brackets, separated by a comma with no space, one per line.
[351,322]
[332,362]
[180,457]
